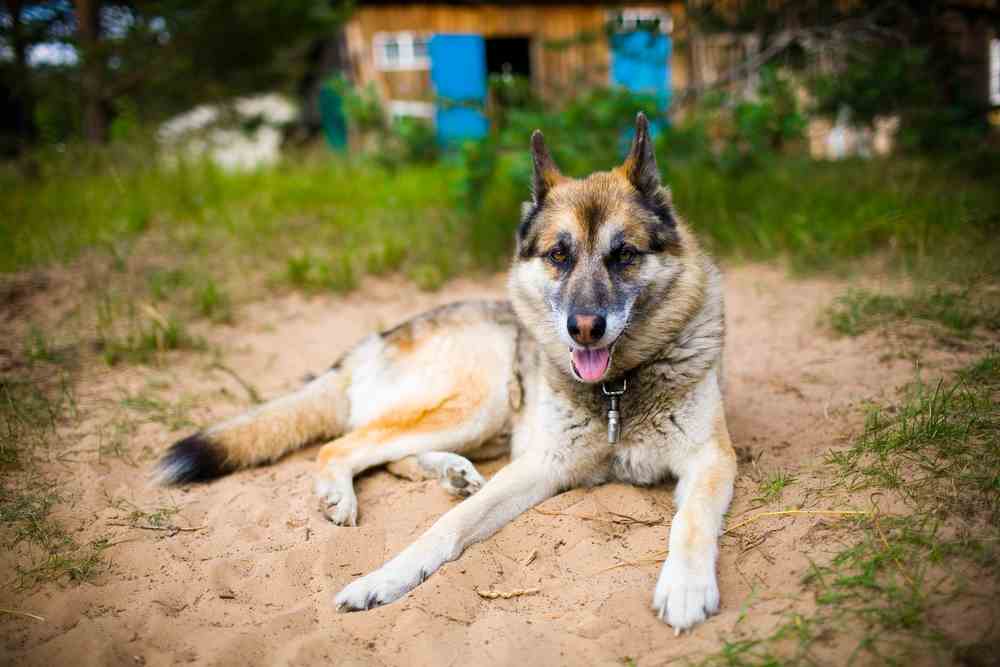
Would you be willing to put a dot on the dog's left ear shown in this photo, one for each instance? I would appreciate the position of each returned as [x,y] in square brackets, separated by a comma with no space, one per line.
[640,165]
[641,171]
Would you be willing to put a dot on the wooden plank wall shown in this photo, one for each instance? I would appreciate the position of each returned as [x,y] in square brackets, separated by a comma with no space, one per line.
[561,61]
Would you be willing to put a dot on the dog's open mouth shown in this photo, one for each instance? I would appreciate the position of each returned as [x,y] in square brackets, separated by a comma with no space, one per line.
[591,365]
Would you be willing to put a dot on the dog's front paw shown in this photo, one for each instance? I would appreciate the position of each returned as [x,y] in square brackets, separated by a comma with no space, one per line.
[685,595]
[461,478]
[374,590]
[337,501]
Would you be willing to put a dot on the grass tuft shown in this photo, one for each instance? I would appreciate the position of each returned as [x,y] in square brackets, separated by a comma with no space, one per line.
[139,334]
[31,406]
[213,302]
[772,487]
[51,554]
[957,311]
[335,273]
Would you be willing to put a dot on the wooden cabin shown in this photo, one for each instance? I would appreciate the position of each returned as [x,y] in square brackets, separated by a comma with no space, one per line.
[415,54]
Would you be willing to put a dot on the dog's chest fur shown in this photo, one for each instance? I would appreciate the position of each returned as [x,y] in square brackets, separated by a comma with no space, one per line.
[664,412]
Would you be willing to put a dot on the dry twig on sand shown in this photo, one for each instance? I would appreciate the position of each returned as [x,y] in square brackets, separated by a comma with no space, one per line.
[173,530]
[506,595]
[16,612]
[614,517]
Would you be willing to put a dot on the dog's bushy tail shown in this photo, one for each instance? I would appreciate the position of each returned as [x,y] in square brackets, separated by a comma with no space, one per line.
[318,410]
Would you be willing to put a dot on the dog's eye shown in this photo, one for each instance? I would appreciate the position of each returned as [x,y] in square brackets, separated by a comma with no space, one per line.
[623,256]
[558,256]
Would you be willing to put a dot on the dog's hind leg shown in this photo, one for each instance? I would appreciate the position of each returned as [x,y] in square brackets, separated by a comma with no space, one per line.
[456,473]
[426,434]
[317,411]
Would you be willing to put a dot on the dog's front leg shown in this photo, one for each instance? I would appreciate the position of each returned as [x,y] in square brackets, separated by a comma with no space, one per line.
[687,591]
[527,481]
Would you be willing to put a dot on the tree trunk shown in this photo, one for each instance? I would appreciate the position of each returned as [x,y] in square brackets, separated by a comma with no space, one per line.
[23,96]
[95,111]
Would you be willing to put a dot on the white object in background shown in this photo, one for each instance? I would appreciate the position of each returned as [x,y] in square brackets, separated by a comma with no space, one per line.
[885,134]
[272,108]
[995,71]
[206,131]
[839,141]
[411,109]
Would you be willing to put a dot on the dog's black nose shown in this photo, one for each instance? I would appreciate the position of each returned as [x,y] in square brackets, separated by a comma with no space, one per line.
[586,328]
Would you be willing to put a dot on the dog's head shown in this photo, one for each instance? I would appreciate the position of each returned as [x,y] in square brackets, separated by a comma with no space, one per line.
[594,257]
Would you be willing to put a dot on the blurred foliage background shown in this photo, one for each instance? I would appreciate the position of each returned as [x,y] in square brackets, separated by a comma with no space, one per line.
[83,171]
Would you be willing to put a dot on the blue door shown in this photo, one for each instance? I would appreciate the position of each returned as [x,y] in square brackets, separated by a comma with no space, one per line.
[640,61]
[458,72]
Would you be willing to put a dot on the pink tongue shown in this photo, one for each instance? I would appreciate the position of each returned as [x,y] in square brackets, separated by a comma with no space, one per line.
[591,364]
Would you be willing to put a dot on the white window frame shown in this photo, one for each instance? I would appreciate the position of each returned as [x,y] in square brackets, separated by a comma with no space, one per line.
[631,17]
[408,60]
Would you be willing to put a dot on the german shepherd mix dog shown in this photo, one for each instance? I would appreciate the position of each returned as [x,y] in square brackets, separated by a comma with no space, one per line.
[605,365]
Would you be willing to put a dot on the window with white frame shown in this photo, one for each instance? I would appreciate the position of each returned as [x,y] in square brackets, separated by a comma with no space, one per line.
[397,51]
[629,20]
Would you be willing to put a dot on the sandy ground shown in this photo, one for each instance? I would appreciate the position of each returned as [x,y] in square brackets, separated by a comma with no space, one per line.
[251,578]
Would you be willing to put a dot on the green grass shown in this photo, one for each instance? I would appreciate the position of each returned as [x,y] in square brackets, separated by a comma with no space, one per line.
[344,216]
[957,311]
[175,415]
[134,515]
[214,302]
[940,449]
[938,453]
[824,215]
[32,403]
[130,331]
[772,486]
[335,273]
[51,553]
[36,398]
[319,222]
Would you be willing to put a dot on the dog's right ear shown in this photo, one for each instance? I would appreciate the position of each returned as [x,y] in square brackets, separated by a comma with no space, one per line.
[546,172]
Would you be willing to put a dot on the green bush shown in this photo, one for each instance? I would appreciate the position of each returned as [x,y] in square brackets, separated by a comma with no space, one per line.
[362,107]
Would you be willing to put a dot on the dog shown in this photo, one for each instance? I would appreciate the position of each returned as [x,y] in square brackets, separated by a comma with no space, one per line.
[605,365]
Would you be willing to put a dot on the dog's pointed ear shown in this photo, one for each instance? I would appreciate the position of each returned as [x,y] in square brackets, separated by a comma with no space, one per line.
[546,172]
[640,165]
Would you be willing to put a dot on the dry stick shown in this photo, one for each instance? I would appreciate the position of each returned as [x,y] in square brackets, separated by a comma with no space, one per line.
[660,556]
[247,387]
[171,529]
[764,515]
[617,518]
[493,595]
[15,612]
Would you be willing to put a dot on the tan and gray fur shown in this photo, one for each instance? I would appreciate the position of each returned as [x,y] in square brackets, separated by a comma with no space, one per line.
[471,379]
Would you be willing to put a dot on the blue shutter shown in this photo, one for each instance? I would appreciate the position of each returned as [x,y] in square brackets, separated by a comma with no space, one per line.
[458,72]
[640,61]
